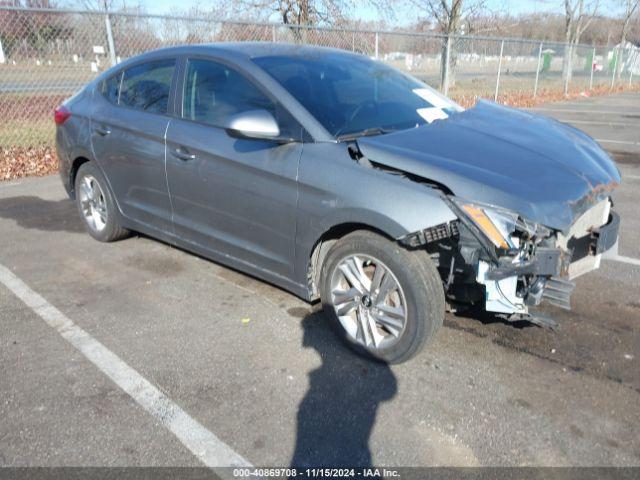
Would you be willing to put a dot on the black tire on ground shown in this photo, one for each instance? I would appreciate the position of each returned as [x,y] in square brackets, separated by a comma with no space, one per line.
[417,276]
[112,231]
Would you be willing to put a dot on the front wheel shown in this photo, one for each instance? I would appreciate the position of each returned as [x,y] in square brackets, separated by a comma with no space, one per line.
[385,301]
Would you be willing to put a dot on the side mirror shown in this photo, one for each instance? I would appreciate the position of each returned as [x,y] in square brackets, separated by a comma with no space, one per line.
[258,124]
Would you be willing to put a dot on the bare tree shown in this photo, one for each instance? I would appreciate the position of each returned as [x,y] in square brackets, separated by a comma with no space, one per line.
[101,5]
[578,17]
[25,32]
[300,13]
[452,17]
[308,12]
[630,7]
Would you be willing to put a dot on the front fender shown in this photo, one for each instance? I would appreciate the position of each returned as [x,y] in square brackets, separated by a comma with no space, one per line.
[335,190]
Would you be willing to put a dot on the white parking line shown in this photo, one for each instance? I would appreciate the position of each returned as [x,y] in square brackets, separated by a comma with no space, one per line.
[208,448]
[595,122]
[586,103]
[10,184]
[567,110]
[623,259]
[621,142]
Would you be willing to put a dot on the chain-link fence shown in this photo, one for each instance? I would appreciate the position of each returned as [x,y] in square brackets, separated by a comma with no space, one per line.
[46,55]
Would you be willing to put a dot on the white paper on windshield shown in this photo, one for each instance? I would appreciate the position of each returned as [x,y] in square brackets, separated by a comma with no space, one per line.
[431,114]
[432,97]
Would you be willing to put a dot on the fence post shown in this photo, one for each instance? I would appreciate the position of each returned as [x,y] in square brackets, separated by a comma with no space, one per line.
[569,67]
[495,97]
[615,66]
[273,33]
[447,59]
[535,87]
[621,63]
[2,59]
[593,60]
[377,45]
[112,47]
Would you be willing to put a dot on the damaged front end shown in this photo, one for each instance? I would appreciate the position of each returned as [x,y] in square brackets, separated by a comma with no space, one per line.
[495,258]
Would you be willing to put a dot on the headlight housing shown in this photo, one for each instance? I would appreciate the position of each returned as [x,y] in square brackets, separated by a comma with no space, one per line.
[503,228]
[496,224]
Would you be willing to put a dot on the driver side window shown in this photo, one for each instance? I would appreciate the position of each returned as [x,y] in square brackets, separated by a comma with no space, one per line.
[147,86]
[214,92]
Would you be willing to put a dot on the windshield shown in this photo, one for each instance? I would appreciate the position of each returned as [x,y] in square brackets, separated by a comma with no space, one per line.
[351,94]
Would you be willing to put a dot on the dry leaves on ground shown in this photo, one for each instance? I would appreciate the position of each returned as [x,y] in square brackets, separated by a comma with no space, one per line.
[527,100]
[18,162]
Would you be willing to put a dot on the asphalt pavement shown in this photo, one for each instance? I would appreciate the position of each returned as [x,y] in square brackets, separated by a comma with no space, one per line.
[138,353]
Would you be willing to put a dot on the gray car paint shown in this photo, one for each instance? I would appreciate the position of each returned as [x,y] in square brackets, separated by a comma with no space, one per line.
[273,203]
[336,190]
[540,168]
[236,196]
[132,157]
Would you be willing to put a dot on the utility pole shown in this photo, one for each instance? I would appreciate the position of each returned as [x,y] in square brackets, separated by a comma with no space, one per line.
[535,87]
[111,43]
[495,97]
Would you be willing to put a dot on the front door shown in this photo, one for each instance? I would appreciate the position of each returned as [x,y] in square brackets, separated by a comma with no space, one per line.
[236,197]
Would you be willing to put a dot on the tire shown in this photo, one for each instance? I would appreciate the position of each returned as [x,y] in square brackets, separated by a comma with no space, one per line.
[96,205]
[420,295]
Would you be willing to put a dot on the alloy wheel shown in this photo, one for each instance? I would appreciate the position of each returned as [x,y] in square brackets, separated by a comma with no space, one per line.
[368,301]
[93,203]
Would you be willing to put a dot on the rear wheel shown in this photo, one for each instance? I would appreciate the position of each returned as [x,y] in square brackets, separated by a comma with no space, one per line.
[96,205]
[384,300]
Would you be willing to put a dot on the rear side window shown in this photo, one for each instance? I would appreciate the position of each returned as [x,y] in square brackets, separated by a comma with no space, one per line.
[111,88]
[147,86]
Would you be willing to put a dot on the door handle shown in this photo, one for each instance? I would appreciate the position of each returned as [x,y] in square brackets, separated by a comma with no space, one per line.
[182,155]
[102,130]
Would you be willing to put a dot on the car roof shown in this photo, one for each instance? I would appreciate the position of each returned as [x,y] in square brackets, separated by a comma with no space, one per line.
[233,51]
[248,50]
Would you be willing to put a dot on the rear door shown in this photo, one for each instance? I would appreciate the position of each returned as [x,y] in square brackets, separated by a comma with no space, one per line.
[129,122]
[231,195]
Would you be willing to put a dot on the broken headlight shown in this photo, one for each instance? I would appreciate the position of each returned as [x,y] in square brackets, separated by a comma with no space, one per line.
[533,230]
[505,229]
[496,224]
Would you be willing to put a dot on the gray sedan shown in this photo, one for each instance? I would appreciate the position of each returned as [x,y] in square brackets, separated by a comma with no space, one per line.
[339,178]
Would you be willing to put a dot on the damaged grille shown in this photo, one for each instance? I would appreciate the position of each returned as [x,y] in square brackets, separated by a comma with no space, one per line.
[431,234]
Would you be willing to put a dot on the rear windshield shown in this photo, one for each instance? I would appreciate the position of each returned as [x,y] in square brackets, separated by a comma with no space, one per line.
[350,93]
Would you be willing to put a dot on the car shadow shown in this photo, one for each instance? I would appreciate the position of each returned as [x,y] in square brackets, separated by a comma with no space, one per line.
[36,213]
[337,414]
[478,314]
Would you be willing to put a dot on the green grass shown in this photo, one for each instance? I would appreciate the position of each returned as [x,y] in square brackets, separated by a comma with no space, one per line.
[33,74]
[26,133]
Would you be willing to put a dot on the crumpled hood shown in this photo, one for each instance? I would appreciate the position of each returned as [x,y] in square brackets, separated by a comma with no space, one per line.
[546,171]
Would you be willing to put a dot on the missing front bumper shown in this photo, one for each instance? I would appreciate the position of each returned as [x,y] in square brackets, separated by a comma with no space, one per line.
[548,272]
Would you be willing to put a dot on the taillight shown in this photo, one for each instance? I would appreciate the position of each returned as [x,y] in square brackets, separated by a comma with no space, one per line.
[61,114]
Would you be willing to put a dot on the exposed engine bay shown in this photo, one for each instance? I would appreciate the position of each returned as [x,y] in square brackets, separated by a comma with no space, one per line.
[494,257]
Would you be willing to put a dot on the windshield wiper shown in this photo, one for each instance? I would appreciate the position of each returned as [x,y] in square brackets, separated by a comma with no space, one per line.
[368,132]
